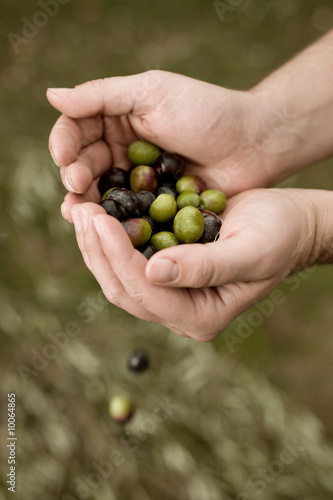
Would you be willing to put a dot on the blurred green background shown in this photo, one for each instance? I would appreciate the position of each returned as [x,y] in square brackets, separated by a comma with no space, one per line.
[227,420]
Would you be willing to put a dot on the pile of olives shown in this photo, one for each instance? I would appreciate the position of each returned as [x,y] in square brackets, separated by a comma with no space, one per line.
[157,203]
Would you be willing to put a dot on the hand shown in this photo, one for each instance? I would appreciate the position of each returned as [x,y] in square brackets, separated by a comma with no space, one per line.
[209,125]
[198,290]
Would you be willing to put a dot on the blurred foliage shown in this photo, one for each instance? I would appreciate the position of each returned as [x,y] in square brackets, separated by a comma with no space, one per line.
[230,416]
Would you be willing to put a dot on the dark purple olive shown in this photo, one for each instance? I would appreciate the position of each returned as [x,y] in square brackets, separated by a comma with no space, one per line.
[139,361]
[127,199]
[147,250]
[164,226]
[138,230]
[212,227]
[114,208]
[166,189]
[143,178]
[145,198]
[170,166]
[114,177]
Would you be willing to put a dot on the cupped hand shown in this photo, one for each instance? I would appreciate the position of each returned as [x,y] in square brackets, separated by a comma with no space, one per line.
[198,290]
[212,127]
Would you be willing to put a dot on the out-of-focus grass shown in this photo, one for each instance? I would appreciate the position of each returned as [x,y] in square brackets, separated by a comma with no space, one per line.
[229,421]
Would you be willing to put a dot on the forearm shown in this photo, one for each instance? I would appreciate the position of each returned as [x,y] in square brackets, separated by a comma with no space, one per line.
[296,112]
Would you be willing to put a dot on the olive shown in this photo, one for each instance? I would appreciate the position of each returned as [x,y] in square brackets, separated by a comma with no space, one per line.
[114,208]
[163,208]
[213,200]
[143,153]
[188,199]
[212,228]
[127,199]
[105,195]
[189,225]
[191,183]
[120,408]
[164,226]
[164,239]
[139,361]
[145,198]
[167,189]
[150,221]
[114,177]
[147,250]
[138,230]
[143,178]
[170,166]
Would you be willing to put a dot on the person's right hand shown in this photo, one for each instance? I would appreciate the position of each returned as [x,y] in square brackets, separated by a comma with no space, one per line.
[196,290]
[211,126]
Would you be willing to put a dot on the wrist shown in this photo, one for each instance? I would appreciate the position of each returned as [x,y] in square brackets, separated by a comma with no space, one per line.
[316,246]
[273,135]
[285,136]
[296,107]
[323,241]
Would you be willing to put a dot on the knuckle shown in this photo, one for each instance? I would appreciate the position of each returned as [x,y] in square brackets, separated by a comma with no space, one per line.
[265,267]
[207,274]
[94,84]
[113,295]
[139,297]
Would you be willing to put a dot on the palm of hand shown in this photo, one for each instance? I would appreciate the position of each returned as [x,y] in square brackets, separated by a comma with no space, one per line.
[257,249]
[203,122]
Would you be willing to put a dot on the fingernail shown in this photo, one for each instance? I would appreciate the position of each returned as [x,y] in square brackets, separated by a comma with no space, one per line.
[54,157]
[59,91]
[77,220]
[163,271]
[69,179]
[63,213]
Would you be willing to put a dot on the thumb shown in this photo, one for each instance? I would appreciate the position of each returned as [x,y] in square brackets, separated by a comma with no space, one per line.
[209,265]
[113,96]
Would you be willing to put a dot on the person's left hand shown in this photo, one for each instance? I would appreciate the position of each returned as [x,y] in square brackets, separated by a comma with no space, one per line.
[198,290]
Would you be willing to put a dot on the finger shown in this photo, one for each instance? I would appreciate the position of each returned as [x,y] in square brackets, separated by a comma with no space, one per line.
[91,163]
[97,262]
[118,134]
[129,266]
[237,258]
[113,96]
[69,136]
[71,199]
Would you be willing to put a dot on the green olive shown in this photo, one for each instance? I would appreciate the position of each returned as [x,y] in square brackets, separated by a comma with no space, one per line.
[120,408]
[213,200]
[189,225]
[143,153]
[192,183]
[163,208]
[188,199]
[163,239]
